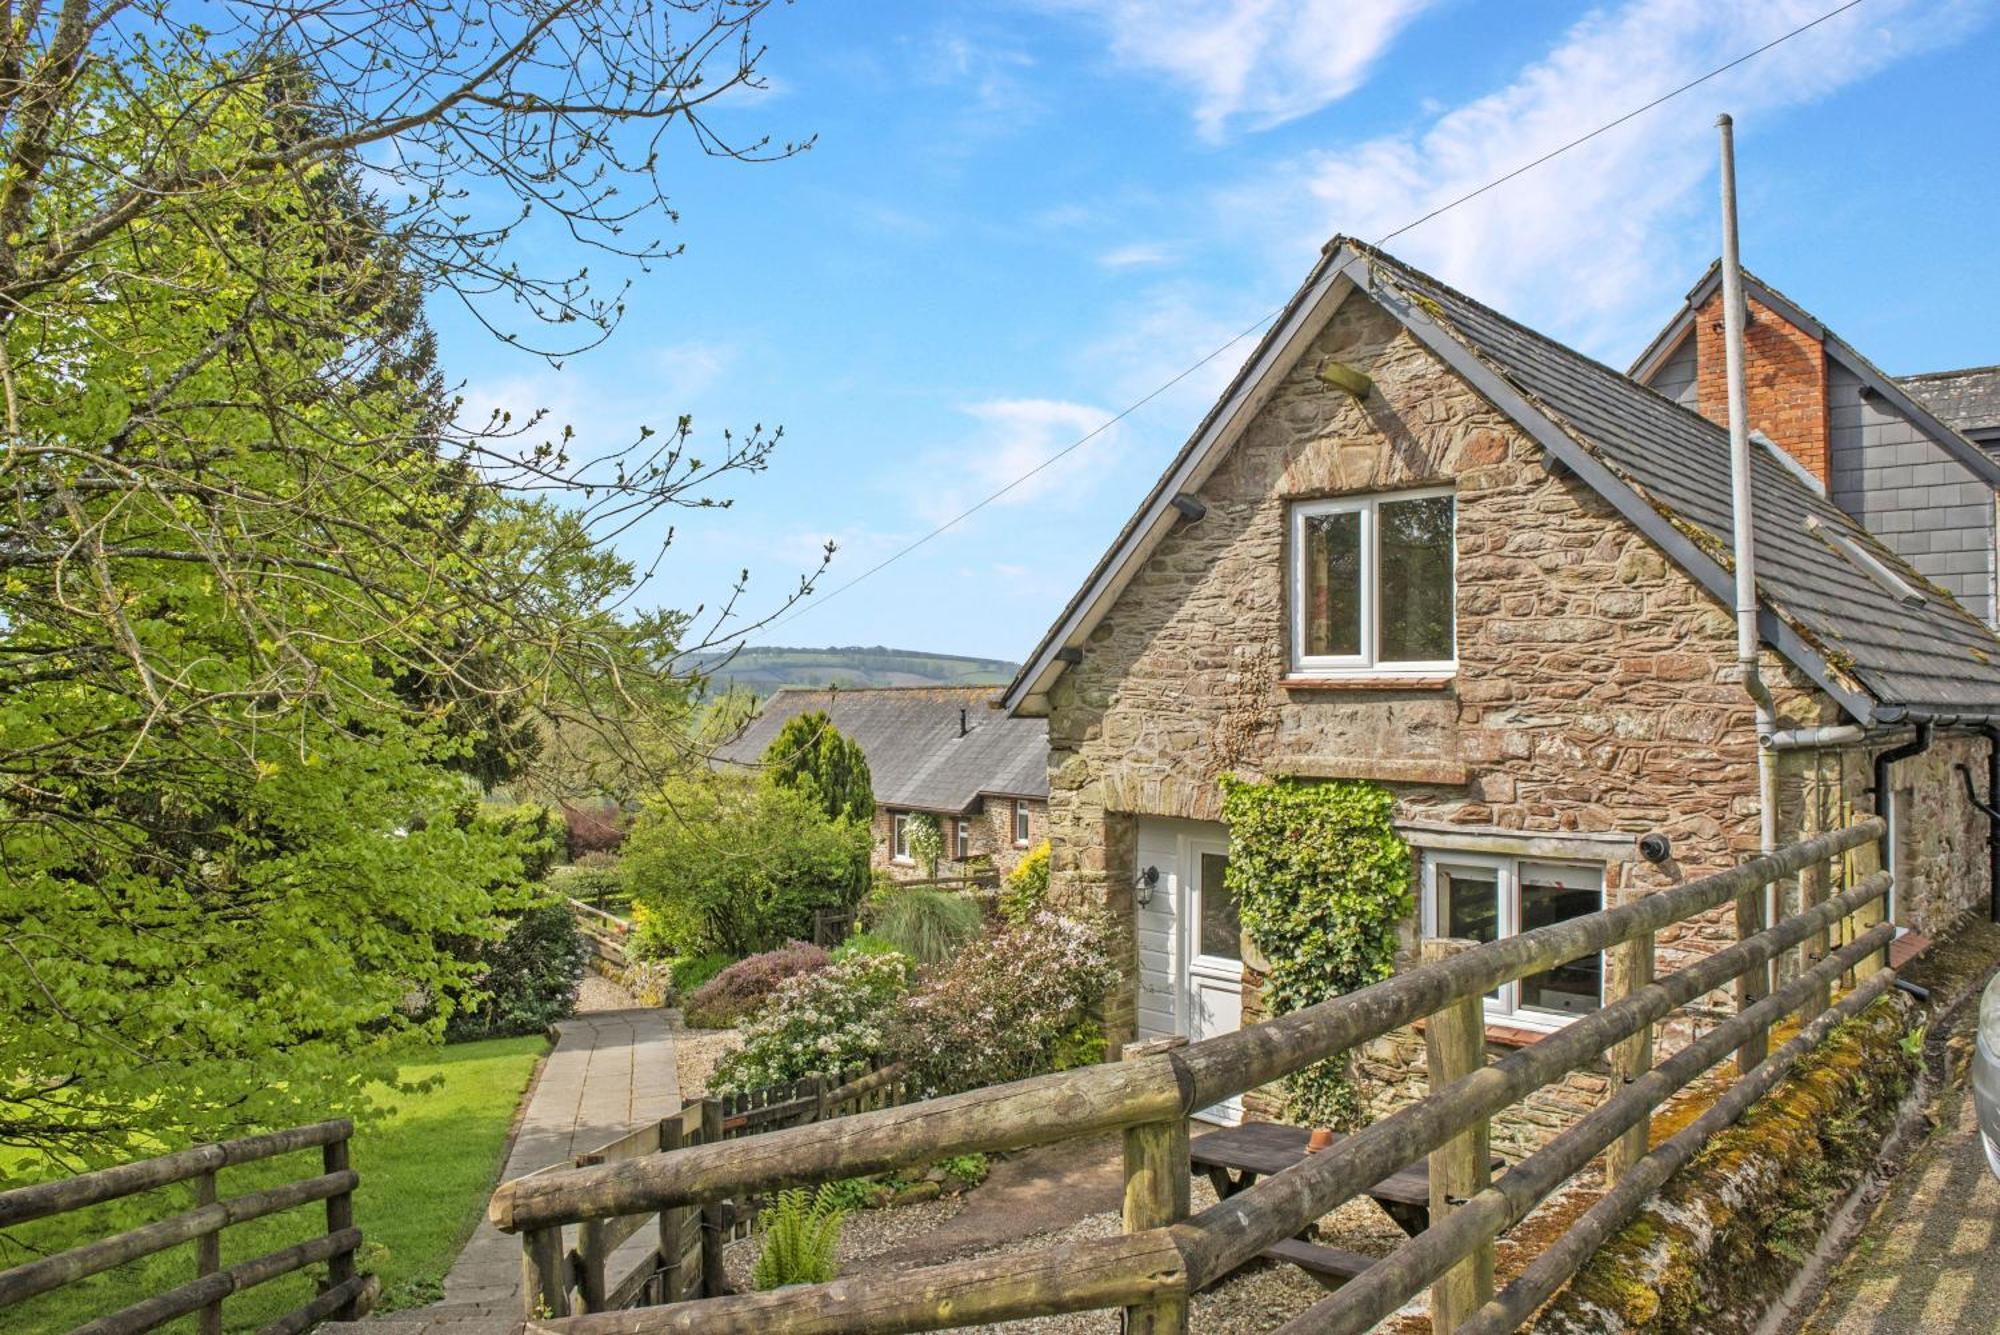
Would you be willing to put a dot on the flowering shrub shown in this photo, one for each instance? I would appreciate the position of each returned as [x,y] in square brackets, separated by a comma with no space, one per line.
[1026,888]
[744,987]
[819,1023]
[1010,1004]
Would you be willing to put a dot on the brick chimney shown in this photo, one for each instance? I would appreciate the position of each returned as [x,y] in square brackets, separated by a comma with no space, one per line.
[1786,375]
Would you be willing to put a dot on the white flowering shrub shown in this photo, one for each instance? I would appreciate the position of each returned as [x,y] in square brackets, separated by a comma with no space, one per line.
[1014,1003]
[820,1023]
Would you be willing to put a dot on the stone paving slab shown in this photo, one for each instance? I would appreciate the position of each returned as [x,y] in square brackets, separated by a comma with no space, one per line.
[610,1072]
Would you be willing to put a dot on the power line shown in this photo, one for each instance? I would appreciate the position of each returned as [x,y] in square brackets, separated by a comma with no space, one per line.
[1270,315]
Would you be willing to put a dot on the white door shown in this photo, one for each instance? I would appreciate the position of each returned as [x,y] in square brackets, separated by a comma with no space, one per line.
[1190,948]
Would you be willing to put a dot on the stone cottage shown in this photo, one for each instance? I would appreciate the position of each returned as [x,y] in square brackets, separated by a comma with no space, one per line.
[945,752]
[1420,544]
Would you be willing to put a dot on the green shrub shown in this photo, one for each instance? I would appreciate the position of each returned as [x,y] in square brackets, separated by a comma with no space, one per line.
[801,1232]
[529,980]
[537,832]
[1026,889]
[690,972]
[813,756]
[865,943]
[1005,1006]
[821,1023]
[928,925]
[732,864]
[601,887]
[925,840]
[1324,882]
[1082,1044]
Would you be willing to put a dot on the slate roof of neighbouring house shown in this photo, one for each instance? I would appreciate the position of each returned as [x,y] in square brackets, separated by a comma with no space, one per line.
[1666,468]
[918,757]
[1967,400]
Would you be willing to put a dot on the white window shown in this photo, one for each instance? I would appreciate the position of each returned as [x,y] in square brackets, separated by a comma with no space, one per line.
[1372,586]
[1020,823]
[961,841]
[899,837]
[1480,898]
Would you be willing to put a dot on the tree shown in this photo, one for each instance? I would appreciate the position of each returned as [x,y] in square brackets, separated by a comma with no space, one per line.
[268,613]
[726,862]
[813,756]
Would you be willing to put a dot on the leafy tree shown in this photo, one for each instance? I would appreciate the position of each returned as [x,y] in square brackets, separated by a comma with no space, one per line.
[819,760]
[727,862]
[268,613]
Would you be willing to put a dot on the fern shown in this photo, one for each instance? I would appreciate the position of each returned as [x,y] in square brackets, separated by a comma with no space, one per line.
[800,1231]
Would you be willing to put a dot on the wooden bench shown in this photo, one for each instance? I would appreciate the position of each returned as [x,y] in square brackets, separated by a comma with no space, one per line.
[1331,1266]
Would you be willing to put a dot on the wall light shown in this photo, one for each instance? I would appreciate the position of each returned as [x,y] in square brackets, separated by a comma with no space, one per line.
[1145,883]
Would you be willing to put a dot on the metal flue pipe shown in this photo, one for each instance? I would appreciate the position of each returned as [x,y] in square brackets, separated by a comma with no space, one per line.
[1734,314]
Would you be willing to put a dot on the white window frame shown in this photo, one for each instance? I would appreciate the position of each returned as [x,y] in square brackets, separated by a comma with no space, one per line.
[961,839]
[1023,829]
[899,837]
[1506,1008]
[1367,663]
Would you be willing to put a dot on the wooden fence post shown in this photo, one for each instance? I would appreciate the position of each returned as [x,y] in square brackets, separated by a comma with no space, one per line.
[1631,969]
[544,1286]
[208,1255]
[1813,882]
[714,1215]
[1752,985]
[339,1217]
[673,1224]
[1455,1047]
[1158,1178]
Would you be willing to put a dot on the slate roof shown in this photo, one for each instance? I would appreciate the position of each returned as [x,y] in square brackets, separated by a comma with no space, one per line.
[1967,400]
[1664,467]
[917,758]
[1936,659]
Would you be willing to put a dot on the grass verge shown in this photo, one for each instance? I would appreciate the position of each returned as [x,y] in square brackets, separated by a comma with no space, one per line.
[426,1170]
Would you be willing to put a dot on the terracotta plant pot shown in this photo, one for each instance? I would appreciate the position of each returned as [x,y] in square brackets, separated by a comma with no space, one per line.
[1321,1137]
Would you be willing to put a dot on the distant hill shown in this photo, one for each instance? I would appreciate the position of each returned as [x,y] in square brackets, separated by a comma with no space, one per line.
[764,669]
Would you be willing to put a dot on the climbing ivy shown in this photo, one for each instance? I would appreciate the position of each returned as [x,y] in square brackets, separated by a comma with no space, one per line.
[1323,880]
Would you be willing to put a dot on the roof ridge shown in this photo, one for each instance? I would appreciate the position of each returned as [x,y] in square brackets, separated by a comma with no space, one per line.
[1941,375]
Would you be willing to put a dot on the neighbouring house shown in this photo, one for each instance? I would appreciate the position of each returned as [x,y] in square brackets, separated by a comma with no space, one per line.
[942,751]
[1908,459]
[1419,544]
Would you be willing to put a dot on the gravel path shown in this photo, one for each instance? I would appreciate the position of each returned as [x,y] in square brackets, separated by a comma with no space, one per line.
[696,1051]
[598,993]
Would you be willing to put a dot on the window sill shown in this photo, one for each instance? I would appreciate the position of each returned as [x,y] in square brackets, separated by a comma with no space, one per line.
[1501,1035]
[1384,682]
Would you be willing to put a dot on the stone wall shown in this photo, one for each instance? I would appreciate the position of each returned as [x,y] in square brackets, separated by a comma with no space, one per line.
[992,840]
[1595,700]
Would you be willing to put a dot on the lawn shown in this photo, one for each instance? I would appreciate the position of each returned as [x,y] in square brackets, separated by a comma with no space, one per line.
[426,1170]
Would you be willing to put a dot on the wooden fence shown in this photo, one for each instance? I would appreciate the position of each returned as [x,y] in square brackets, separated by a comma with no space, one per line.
[346,1294]
[686,1260]
[1165,1256]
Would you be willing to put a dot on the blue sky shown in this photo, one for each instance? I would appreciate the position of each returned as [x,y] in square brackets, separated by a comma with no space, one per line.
[1019,218]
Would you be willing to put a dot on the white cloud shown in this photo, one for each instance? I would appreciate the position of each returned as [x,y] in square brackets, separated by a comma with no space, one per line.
[1137,255]
[1007,440]
[1262,61]
[1593,244]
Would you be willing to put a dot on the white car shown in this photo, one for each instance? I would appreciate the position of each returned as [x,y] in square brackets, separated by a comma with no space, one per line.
[1986,1074]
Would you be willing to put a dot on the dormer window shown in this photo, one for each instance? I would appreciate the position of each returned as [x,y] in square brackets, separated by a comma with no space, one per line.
[1372,586]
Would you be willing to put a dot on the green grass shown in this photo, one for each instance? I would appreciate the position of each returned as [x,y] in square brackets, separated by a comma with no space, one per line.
[426,1171]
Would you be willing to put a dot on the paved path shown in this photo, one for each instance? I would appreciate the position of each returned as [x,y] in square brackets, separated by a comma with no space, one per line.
[1929,1259]
[610,1071]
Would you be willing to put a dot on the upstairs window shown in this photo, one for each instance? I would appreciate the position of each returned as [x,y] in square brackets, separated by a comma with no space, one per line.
[1371,585]
[961,839]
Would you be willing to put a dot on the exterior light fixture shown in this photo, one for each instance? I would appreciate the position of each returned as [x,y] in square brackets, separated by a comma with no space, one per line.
[1145,883]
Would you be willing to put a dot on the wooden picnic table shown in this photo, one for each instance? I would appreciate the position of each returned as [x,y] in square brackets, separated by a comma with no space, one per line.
[1234,1157]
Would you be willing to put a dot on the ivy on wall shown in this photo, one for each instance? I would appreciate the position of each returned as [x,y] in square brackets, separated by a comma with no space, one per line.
[1324,881]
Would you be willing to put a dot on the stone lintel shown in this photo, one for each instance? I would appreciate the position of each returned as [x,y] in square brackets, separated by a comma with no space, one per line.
[1383,769]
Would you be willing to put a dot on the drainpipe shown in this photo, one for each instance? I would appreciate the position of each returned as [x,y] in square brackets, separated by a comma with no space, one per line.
[1885,803]
[1733,312]
[1990,808]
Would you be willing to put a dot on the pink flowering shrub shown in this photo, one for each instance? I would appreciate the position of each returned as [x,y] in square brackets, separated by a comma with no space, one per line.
[1014,1003]
[820,1023]
[746,986]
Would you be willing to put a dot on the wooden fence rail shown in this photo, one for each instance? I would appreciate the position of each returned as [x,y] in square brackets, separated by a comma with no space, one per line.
[1165,1256]
[346,1294]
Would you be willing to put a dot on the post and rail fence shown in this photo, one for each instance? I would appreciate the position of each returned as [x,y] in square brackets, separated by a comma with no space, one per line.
[346,1294]
[1167,1254]
[686,1260]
